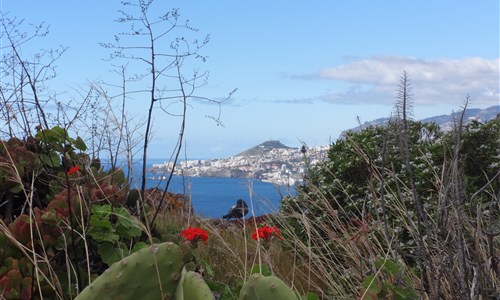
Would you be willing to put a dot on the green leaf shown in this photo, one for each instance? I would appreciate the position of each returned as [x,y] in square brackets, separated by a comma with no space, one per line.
[127,226]
[54,136]
[387,266]
[311,296]
[111,254]
[261,269]
[102,230]
[20,168]
[370,283]
[80,144]
[210,271]
[97,222]
[101,211]
[401,293]
[60,133]
[391,266]
[52,159]
[138,246]
[101,235]
[118,177]
[17,188]
[223,290]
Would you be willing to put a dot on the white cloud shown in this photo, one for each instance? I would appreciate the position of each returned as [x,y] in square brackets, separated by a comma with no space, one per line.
[375,80]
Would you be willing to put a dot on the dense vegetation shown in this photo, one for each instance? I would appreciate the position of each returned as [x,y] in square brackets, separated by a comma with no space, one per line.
[397,212]
[424,200]
[353,230]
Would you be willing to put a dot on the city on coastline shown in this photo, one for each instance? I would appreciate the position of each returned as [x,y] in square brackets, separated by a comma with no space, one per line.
[268,162]
[274,162]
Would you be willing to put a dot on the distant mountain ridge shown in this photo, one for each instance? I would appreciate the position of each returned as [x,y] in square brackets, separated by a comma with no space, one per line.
[445,122]
[263,148]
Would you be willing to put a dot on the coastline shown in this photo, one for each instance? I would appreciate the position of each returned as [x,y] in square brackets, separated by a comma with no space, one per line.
[281,166]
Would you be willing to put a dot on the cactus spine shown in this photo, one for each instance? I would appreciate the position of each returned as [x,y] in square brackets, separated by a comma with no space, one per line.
[136,276]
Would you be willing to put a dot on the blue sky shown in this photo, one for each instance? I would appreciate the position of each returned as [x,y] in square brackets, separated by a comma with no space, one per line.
[304,70]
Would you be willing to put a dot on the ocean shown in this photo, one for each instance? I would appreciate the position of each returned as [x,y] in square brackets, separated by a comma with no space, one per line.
[212,197]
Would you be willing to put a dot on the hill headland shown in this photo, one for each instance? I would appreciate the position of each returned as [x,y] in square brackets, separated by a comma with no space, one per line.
[270,161]
[275,162]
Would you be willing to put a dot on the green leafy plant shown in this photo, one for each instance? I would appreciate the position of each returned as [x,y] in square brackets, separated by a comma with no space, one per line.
[114,229]
[52,195]
[389,282]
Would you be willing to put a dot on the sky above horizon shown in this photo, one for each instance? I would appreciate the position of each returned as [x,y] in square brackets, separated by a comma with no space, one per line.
[304,71]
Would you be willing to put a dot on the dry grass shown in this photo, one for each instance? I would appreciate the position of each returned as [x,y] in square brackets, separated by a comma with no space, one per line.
[453,256]
[456,257]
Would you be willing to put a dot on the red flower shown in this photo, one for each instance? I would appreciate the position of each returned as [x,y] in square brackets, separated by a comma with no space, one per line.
[266,233]
[194,234]
[73,170]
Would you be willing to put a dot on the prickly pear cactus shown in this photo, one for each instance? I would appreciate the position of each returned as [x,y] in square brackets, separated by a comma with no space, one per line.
[266,288]
[136,276]
[193,287]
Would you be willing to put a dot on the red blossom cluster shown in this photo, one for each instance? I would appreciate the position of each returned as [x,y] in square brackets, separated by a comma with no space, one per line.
[266,233]
[194,234]
[73,170]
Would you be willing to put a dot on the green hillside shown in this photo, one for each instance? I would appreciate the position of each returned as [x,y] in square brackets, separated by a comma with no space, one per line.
[263,148]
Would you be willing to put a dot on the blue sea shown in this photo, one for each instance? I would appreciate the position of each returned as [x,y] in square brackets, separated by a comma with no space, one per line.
[212,197]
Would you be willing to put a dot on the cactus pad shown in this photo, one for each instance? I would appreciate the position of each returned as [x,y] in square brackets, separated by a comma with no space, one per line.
[266,288]
[193,287]
[137,276]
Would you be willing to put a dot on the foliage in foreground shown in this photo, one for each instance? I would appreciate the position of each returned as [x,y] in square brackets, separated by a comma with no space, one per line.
[431,207]
[402,212]
[78,219]
[65,221]
[61,214]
